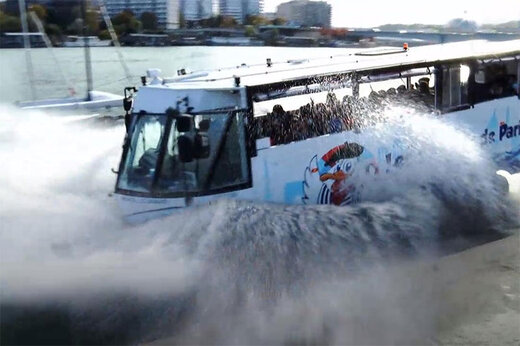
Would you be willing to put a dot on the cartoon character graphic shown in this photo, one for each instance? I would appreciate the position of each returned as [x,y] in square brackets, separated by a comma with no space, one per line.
[336,171]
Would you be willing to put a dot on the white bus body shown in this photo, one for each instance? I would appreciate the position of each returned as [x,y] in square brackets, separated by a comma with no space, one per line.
[473,84]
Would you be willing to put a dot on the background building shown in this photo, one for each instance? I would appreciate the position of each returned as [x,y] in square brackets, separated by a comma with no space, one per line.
[306,13]
[194,10]
[12,6]
[231,8]
[167,11]
[239,9]
[252,7]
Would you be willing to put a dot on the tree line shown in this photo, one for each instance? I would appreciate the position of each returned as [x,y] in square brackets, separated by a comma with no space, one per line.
[62,17]
[66,18]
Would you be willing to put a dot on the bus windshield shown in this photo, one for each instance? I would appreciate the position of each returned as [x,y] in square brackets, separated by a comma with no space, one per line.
[152,165]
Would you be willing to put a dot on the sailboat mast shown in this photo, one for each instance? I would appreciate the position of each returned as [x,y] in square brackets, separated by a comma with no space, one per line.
[27,46]
[48,43]
[115,40]
[88,65]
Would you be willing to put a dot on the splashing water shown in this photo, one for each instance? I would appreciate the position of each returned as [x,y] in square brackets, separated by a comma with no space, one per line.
[232,272]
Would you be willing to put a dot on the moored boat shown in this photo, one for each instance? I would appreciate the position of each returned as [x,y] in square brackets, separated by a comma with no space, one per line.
[93,99]
[79,41]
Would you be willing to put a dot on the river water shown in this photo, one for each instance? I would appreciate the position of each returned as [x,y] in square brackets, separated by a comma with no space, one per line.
[231,273]
[109,74]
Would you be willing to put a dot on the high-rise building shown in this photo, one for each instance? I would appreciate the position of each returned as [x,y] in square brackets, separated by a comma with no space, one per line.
[306,13]
[252,7]
[231,8]
[239,9]
[193,10]
[167,11]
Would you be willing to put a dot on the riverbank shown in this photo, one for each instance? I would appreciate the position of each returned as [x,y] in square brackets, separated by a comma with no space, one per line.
[481,294]
[289,37]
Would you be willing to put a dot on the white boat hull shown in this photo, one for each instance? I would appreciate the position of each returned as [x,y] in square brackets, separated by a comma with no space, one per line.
[81,44]
[97,99]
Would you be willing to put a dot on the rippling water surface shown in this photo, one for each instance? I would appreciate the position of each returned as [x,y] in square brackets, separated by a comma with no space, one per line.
[109,75]
[234,272]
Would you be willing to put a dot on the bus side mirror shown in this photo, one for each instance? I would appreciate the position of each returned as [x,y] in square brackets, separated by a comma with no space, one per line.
[184,123]
[201,147]
[185,149]
[128,121]
[127,103]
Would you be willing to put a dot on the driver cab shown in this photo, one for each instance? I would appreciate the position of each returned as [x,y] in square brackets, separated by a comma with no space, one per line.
[179,155]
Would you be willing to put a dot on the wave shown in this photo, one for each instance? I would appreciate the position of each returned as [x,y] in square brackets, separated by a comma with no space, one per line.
[231,272]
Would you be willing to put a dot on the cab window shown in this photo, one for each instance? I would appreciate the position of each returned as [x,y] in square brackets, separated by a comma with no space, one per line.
[494,80]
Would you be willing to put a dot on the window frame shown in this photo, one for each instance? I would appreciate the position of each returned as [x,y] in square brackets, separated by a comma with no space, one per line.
[243,113]
[479,64]
[444,79]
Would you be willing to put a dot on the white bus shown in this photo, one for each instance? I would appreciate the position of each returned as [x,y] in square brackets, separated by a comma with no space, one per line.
[268,132]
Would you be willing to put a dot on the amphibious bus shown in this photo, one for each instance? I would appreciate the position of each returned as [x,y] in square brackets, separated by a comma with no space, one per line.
[298,131]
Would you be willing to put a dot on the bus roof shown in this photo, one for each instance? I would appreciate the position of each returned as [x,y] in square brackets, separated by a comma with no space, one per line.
[361,60]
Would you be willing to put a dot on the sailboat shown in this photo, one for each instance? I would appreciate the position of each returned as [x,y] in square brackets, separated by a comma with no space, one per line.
[93,100]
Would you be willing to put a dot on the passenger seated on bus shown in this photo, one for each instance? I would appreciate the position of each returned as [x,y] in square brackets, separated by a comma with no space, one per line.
[375,104]
[320,115]
[332,100]
[478,92]
[310,116]
[289,126]
[423,85]
[278,111]
[419,98]
[401,89]
[348,109]
[393,98]
[511,87]
[268,125]
[255,128]
[391,93]
[374,97]
[382,94]
[301,124]
[263,126]
[424,91]
[333,115]
[282,126]
[496,90]
[502,83]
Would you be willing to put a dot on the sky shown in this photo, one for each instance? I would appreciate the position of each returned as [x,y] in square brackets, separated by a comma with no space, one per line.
[368,13]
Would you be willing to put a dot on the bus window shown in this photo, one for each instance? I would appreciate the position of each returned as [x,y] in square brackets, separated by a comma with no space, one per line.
[454,87]
[294,102]
[412,89]
[299,117]
[303,112]
[494,80]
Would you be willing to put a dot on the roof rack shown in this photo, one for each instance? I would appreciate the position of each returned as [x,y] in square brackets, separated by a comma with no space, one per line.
[382,51]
